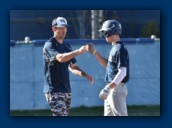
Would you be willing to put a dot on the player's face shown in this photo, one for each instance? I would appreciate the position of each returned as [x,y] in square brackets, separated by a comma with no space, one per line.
[109,39]
[112,38]
[60,32]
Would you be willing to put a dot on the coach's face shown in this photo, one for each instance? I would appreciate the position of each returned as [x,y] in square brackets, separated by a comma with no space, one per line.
[60,32]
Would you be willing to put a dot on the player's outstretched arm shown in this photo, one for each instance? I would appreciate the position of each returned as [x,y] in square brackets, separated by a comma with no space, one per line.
[100,58]
[75,69]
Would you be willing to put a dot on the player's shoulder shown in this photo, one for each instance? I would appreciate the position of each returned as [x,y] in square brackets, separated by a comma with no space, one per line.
[118,45]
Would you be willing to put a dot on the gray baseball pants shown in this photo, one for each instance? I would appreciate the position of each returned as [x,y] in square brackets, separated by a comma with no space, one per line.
[115,104]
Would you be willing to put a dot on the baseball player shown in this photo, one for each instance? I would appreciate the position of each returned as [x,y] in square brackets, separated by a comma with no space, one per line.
[117,70]
[58,58]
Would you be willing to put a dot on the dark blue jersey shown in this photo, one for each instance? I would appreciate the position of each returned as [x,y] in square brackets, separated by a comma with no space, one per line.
[56,74]
[118,57]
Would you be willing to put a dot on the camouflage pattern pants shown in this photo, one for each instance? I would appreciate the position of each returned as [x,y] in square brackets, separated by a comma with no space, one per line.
[59,103]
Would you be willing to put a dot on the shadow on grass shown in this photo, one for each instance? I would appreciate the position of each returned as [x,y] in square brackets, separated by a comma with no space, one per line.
[93,111]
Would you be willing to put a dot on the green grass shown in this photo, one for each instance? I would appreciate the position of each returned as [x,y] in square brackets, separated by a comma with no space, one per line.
[93,111]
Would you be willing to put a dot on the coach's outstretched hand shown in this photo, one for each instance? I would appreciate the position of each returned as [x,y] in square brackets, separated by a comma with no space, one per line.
[90,48]
[82,50]
[104,93]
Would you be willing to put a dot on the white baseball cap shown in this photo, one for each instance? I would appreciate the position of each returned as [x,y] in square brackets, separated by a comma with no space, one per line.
[59,22]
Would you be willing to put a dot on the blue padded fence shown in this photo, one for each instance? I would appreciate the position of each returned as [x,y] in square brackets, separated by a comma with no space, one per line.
[26,74]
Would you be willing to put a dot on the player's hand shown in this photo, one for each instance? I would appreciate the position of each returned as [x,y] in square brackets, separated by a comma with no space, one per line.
[90,48]
[104,93]
[91,79]
[82,50]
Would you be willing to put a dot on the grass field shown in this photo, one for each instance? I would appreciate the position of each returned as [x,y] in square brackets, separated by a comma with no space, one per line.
[93,111]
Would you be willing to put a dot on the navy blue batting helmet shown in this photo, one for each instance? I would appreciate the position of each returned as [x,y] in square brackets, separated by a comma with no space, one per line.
[111,27]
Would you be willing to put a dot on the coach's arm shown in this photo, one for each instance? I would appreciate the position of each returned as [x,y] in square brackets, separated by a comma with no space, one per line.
[67,56]
[75,69]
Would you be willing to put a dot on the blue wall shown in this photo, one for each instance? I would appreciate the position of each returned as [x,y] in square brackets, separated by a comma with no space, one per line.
[26,74]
